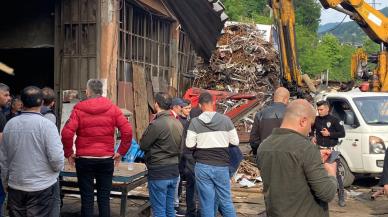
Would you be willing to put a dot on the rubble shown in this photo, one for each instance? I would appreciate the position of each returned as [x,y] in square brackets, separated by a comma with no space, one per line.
[242,63]
[249,169]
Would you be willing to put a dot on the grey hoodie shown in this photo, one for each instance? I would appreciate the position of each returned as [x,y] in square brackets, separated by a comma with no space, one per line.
[31,153]
[211,134]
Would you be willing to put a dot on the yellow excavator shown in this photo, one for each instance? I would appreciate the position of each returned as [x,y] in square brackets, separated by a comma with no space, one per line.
[359,64]
[373,22]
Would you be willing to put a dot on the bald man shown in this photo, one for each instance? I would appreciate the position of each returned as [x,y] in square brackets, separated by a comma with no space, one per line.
[269,118]
[296,182]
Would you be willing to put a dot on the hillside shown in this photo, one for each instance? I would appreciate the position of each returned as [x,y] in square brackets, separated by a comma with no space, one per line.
[347,32]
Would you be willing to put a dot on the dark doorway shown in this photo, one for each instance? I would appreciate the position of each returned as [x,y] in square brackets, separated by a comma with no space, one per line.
[33,66]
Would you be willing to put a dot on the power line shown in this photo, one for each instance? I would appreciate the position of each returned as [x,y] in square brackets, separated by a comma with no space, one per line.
[374,3]
[338,25]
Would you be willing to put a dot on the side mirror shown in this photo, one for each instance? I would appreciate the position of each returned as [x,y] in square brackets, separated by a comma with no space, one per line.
[349,118]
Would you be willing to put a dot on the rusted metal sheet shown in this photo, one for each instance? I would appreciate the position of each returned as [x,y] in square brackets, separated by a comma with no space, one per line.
[125,95]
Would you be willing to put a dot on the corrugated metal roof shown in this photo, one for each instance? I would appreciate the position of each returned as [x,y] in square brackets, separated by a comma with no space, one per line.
[202,20]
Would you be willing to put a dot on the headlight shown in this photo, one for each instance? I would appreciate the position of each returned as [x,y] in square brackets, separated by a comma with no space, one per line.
[376,145]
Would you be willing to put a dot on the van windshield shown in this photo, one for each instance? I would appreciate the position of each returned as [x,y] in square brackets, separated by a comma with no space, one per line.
[374,110]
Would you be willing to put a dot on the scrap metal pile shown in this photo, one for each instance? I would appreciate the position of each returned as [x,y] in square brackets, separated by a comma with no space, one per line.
[242,75]
[242,63]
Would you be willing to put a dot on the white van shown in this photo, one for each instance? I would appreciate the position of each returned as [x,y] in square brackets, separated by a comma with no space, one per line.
[365,118]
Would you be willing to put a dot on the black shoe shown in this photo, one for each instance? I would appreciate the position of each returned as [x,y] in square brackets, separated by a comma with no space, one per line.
[341,198]
[179,212]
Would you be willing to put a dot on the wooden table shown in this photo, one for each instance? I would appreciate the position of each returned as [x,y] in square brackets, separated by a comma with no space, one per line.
[124,181]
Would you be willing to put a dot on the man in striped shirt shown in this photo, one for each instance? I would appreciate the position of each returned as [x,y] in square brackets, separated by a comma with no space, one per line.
[210,134]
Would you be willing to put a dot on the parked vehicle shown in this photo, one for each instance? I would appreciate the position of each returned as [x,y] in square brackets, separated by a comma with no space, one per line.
[365,118]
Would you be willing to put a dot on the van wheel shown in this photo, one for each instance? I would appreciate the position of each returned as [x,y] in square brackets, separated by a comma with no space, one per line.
[344,170]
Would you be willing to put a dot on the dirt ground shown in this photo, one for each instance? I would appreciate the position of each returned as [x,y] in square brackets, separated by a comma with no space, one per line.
[249,203]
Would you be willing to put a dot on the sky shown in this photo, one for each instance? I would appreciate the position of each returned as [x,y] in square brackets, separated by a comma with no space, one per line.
[332,16]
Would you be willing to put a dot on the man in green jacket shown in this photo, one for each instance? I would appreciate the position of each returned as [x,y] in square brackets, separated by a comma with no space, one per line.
[161,143]
[296,182]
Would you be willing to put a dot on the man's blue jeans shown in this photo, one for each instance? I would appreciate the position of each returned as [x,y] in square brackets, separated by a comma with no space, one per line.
[162,194]
[213,185]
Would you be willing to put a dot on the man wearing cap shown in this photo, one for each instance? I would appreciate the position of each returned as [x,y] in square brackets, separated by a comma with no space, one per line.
[176,107]
[177,104]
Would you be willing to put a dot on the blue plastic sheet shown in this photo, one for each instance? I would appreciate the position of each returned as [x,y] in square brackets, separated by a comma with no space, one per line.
[133,154]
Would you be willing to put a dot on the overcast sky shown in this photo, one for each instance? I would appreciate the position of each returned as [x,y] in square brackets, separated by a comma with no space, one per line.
[332,16]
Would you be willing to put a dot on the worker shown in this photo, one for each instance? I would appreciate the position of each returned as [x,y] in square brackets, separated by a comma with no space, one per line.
[161,142]
[31,157]
[48,104]
[269,118]
[47,111]
[4,99]
[94,121]
[186,167]
[210,134]
[176,107]
[384,176]
[296,181]
[16,107]
[326,130]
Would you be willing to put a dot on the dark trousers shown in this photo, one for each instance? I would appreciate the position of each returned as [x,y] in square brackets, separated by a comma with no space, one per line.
[191,192]
[101,170]
[30,204]
[340,180]
[56,207]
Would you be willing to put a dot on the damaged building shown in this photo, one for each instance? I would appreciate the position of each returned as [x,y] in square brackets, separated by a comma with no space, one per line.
[137,47]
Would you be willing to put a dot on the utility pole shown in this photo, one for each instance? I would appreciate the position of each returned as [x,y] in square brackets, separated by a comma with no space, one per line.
[374,3]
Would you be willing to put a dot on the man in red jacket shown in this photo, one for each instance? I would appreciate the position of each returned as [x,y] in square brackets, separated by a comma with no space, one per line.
[94,121]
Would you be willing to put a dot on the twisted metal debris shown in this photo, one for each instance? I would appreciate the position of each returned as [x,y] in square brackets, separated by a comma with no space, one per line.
[243,63]
[249,169]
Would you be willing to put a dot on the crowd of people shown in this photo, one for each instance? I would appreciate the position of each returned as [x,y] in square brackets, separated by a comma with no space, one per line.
[195,145]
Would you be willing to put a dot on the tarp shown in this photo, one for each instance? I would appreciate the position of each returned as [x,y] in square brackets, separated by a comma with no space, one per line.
[201,20]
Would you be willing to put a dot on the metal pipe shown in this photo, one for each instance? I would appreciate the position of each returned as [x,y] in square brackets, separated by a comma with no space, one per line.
[342,10]
[382,47]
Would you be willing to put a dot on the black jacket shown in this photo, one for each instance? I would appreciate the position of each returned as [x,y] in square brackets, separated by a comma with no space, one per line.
[384,176]
[161,143]
[265,121]
[333,125]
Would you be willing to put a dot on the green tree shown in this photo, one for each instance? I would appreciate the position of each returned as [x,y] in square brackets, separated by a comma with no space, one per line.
[234,8]
[311,60]
[255,11]
[308,13]
[370,46]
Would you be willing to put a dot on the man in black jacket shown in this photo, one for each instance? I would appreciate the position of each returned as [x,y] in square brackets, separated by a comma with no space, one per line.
[327,130]
[269,118]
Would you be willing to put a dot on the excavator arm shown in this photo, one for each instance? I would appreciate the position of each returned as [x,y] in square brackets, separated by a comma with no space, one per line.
[284,18]
[375,25]
[372,21]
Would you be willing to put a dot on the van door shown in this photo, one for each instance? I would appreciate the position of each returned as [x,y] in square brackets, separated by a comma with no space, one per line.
[350,146]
